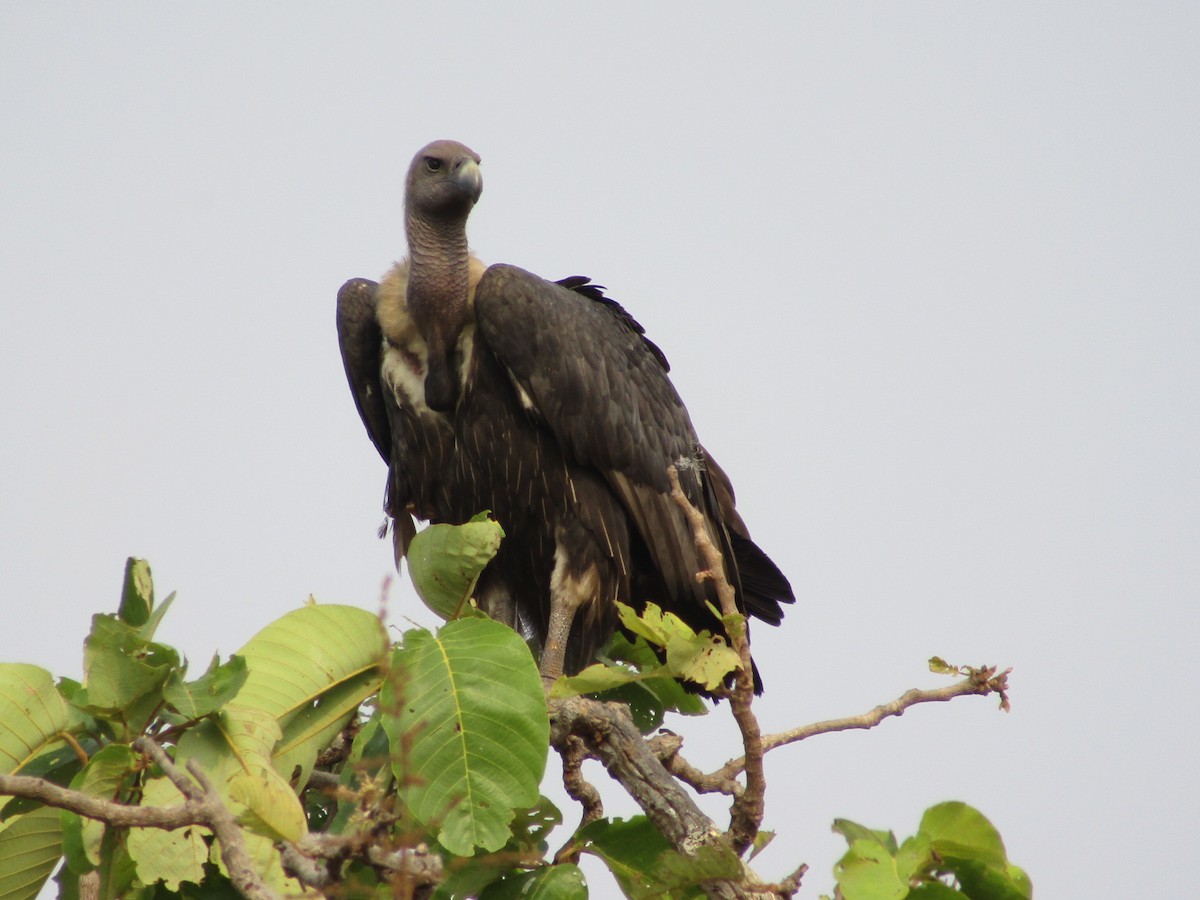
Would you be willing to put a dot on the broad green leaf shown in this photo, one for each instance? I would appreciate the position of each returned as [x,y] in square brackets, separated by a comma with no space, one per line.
[532,826]
[632,849]
[167,856]
[137,593]
[852,832]
[32,715]
[914,857]
[466,716]
[311,669]
[270,806]
[934,890]
[444,562]
[156,617]
[124,672]
[102,777]
[649,699]
[868,872]
[596,677]
[30,848]
[677,872]
[978,879]
[209,692]
[234,747]
[562,882]
[958,830]
[312,728]
[701,656]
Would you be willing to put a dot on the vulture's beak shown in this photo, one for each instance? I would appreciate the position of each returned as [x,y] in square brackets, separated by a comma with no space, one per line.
[468,177]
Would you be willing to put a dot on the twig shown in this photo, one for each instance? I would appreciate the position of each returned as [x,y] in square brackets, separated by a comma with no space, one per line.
[746,811]
[667,746]
[979,682]
[578,787]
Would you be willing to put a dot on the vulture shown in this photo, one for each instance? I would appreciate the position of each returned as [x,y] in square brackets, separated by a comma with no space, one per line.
[489,388]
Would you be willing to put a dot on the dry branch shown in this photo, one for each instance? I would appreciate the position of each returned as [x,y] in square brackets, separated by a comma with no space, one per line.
[746,811]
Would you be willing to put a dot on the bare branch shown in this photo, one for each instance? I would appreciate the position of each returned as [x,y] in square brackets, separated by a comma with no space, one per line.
[979,682]
[746,812]
[118,814]
[667,746]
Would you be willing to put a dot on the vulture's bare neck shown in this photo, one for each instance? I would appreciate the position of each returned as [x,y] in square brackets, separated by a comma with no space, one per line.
[438,288]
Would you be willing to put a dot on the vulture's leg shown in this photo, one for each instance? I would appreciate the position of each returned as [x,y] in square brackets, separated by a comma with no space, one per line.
[570,589]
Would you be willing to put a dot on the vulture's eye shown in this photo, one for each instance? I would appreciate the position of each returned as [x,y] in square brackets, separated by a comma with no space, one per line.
[432,163]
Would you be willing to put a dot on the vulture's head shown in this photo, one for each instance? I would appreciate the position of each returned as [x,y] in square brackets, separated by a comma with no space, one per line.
[443,181]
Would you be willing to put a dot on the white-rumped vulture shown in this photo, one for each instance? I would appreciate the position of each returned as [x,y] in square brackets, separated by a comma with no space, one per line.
[491,388]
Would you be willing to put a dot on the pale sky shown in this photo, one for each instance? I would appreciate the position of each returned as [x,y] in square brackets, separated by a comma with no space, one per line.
[926,273]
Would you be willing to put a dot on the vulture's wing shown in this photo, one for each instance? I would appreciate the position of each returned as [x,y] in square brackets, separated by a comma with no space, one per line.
[582,367]
[361,341]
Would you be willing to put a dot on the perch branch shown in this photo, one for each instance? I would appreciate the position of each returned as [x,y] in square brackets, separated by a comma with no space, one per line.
[746,811]
[608,733]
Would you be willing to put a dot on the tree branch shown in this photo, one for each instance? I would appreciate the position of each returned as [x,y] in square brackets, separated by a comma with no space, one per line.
[608,733]
[979,682]
[746,811]
[202,806]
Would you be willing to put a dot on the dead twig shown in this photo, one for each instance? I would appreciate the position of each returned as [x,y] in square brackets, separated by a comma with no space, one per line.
[746,811]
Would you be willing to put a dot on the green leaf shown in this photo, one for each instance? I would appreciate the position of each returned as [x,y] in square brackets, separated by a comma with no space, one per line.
[168,856]
[701,656]
[868,872]
[939,666]
[30,848]
[311,669]
[657,694]
[961,831]
[630,848]
[151,626]
[102,777]
[762,840]
[596,677]
[852,832]
[137,593]
[32,715]
[271,807]
[209,692]
[678,872]
[124,672]
[914,858]
[465,713]
[444,562]
[935,890]
[563,882]
[979,880]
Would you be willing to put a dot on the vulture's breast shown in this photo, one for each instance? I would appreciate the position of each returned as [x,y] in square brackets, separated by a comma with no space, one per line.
[404,360]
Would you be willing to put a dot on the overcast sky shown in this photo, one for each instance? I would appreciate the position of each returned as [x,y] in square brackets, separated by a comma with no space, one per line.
[927,275]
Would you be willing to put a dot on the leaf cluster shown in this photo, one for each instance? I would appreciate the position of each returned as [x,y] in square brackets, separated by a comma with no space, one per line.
[359,769]
[955,853]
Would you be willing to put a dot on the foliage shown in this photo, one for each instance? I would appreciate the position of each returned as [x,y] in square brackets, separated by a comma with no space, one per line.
[388,769]
[956,852]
